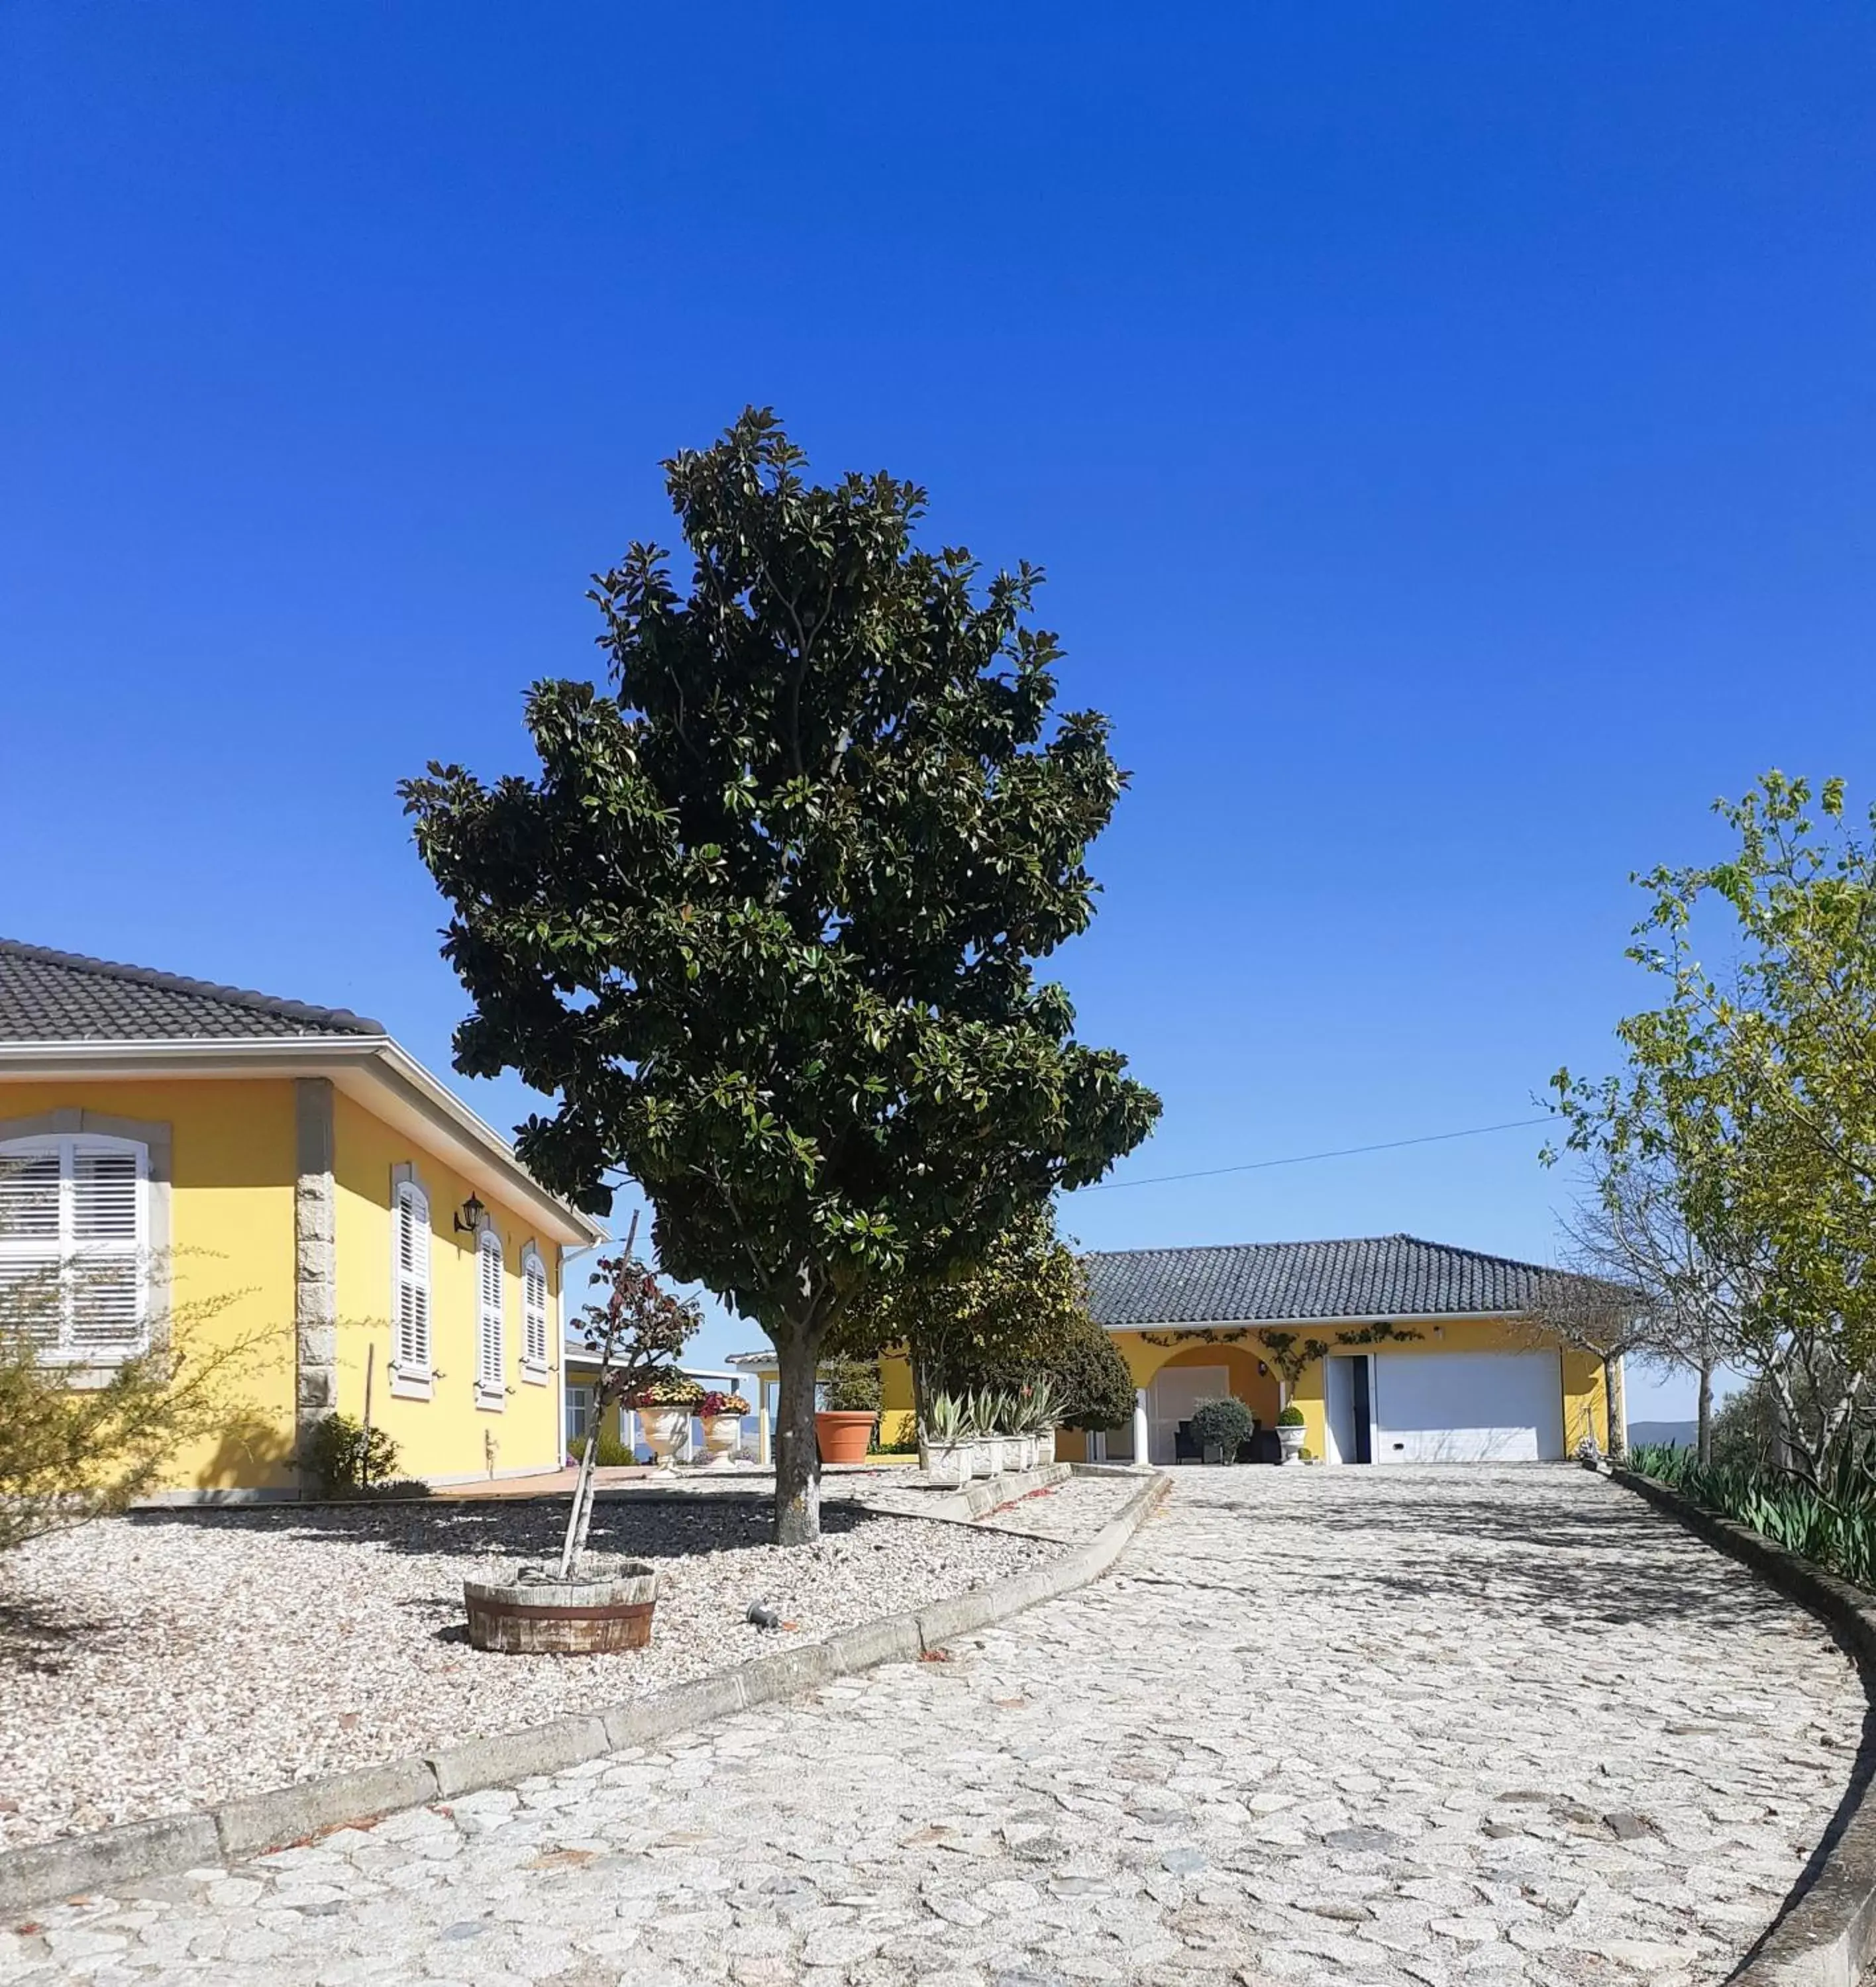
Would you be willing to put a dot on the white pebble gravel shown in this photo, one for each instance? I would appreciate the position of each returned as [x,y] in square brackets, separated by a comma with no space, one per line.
[166,1661]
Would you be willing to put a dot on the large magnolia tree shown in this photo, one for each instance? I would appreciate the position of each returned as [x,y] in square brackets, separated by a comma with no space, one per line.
[765,922]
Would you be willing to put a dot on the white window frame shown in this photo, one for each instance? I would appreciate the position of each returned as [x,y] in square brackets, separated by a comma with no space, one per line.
[537,1319]
[62,1256]
[492,1372]
[412,1291]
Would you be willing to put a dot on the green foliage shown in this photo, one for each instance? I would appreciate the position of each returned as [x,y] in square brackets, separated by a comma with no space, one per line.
[1223,1424]
[947,1419]
[1015,1322]
[1833,1525]
[1291,1417]
[70,1453]
[609,1452]
[765,922]
[342,1455]
[1755,1098]
[852,1386]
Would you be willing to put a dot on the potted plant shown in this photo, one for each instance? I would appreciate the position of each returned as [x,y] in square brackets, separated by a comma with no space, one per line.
[986,1415]
[722,1416]
[664,1404]
[844,1428]
[1220,1426]
[944,1442]
[1290,1433]
[587,1603]
[1043,1404]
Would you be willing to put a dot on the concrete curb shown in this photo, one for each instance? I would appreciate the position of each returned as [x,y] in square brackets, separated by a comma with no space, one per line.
[993,1493]
[1825,1935]
[72,1866]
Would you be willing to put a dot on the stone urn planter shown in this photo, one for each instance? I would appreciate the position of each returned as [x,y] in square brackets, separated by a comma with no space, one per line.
[606,1607]
[1290,1441]
[722,1436]
[844,1433]
[946,1465]
[664,1431]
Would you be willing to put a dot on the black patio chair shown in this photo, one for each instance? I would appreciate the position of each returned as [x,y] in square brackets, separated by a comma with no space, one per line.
[1186,1446]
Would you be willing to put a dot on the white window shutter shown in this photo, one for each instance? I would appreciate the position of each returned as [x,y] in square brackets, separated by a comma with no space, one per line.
[73,1229]
[534,1309]
[490,1374]
[413,1281]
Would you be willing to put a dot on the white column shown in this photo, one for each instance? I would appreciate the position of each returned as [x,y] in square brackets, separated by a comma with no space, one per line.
[1141,1459]
[762,1437]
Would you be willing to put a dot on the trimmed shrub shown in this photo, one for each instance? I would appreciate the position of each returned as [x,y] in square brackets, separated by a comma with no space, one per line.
[1223,1424]
[339,1451]
[852,1387]
[1291,1417]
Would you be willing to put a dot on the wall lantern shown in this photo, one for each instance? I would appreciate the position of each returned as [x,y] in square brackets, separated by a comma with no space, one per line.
[469,1216]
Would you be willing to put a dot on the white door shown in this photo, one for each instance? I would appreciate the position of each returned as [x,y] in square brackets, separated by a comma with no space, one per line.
[1468,1407]
[1175,1392]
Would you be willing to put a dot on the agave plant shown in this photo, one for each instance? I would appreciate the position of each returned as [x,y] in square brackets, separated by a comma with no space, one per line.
[1042,1405]
[947,1420]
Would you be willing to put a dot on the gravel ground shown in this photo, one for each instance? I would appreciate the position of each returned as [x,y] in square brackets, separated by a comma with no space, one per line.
[156,1663]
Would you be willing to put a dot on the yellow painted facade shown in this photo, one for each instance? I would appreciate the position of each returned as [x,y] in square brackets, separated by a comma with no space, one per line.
[1255,1379]
[447,1437]
[232,1250]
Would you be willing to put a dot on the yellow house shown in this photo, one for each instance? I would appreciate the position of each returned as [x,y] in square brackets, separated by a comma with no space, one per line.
[1401,1350]
[291,1175]
[1393,1350]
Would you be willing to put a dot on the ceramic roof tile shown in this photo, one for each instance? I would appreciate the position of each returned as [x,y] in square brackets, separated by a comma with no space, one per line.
[64,997]
[1367,1277]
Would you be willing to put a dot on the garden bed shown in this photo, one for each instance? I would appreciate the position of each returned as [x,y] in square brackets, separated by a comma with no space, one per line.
[158,1662]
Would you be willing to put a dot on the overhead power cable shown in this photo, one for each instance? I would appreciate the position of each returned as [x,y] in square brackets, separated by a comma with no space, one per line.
[1342,1152]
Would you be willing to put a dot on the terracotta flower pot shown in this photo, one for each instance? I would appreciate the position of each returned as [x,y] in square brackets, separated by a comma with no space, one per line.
[843,1434]
[607,1607]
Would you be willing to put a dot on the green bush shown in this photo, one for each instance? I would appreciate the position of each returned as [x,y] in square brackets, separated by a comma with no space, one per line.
[1291,1417]
[1076,1356]
[610,1453]
[1833,1524]
[1223,1424]
[852,1387]
[343,1456]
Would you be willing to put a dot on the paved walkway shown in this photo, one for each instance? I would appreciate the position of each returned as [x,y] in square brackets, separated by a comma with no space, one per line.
[1319,1726]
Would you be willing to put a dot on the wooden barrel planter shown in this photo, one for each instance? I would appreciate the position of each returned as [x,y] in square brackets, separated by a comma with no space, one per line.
[609,1607]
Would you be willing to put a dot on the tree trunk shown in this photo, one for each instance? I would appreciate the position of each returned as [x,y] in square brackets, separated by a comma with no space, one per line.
[1612,1404]
[1703,1423]
[797,1454]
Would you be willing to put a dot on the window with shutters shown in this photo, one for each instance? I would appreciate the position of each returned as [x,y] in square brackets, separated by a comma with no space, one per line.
[491,1380]
[74,1233]
[534,1316]
[410,1351]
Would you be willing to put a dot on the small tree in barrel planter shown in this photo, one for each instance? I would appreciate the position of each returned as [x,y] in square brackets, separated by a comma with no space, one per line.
[586,1604]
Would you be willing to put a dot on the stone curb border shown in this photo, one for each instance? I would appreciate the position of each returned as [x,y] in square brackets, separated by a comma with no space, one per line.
[72,1866]
[1826,1937]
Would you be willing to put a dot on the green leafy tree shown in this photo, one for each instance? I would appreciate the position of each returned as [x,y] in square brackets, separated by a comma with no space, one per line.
[1018,1314]
[765,922]
[1755,1092]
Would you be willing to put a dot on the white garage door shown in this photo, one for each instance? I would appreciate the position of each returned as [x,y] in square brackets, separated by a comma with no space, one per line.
[1468,1407]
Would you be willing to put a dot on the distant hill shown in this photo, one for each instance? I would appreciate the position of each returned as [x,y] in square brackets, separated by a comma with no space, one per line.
[1680,1435]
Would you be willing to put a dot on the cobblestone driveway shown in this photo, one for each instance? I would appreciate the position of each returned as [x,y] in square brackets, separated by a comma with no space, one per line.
[1354,1726]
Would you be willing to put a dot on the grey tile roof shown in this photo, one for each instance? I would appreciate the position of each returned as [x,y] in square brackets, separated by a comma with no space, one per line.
[1370,1277]
[63,996]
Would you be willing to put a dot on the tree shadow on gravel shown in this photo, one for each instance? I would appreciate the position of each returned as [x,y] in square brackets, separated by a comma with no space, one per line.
[675,1527]
[35,1637]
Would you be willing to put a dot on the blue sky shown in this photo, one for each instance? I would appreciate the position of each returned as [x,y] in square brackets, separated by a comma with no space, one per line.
[1447,429]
